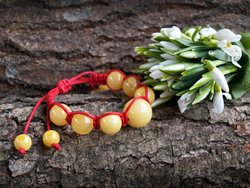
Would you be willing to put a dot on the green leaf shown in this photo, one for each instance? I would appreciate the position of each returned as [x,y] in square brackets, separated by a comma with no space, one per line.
[219,54]
[181,85]
[202,81]
[193,48]
[197,30]
[194,55]
[241,84]
[160,101]
[149,82]
[148,65]
[194,70]
[153,53]
[138,71]
[203,93]
[161,86]
[185,42]
[178,67]
[245,40]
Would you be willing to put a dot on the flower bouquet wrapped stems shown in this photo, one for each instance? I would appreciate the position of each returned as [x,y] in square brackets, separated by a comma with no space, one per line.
[196,64]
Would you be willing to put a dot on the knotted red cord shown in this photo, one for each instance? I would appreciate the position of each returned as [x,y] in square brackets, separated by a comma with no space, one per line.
[64,86]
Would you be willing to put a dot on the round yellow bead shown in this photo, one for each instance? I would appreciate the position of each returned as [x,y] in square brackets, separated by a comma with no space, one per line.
[110,124]
[139,114]
[82,124]
[58,115]
[115,80]
[23,141]
[103,87]
[141,91]
[130,84]
[51,137]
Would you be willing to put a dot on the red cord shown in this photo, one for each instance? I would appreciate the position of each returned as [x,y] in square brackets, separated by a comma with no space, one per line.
[65,85]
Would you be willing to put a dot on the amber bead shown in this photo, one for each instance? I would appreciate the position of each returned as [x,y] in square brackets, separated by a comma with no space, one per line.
[110,124]
[82,124]
[58,115]
[139,114]
[130,84]
[141,91]
[115,79]
[51,137]
[23,141]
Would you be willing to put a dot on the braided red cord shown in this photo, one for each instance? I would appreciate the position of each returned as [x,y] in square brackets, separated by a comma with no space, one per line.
[65,85]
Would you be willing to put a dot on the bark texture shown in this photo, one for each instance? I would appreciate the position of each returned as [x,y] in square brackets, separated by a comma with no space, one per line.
[46,40]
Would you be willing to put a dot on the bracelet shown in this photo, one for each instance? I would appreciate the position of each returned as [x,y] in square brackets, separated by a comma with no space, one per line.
[137,112]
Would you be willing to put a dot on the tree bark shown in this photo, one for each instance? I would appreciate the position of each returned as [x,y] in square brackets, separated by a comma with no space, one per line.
[44,41]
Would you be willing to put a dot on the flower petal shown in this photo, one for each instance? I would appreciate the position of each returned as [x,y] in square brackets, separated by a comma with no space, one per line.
[173,32]
[156,74]
[236,63]
[185,100]
[222,44]
[220,79]
[231,51]
[227,95]
[169,46]
[228,35]
[154,68]
[207,31]
[238,51]
[218,102]
[182,105]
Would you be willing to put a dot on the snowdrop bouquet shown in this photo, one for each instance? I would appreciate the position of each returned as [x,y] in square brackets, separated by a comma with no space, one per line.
[196,64]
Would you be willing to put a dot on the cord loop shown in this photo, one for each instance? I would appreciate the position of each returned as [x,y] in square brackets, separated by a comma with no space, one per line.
[64,86]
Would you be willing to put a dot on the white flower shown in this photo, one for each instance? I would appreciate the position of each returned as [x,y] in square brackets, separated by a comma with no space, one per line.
[173,32]
[185,100]
[220,79]
[156,74]
[218,101]
[169,46]
[226,37]
[207,32]
[232,50]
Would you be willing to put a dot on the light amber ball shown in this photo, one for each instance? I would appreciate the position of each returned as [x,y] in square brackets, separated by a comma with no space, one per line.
[103,88]
[58,115]
[110,124]
[141,91]
[115,80]
[130,84]
[51,137]
[139,114]
[23,141]
[82,124]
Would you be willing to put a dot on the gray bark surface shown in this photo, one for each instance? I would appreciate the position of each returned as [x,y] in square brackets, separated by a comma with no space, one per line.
[44,41]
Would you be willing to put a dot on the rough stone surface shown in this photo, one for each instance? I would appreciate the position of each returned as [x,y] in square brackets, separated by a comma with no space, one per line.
[43,41]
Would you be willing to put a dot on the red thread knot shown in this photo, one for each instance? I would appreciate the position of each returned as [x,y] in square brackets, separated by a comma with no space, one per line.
[96,122]
[64,86]
[97,79]
[22,151]
[56,146]
[124,119]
